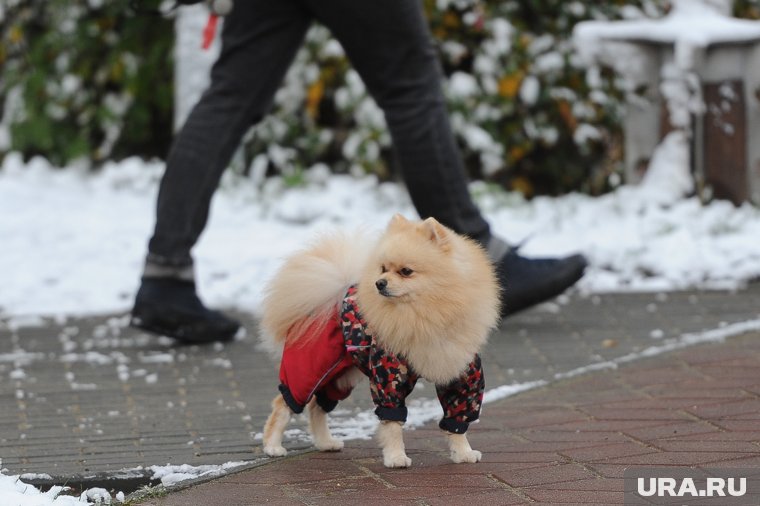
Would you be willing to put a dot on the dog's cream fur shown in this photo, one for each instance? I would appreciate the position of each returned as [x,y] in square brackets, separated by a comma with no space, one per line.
[438,306]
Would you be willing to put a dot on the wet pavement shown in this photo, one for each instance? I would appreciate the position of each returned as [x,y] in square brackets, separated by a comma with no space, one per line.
[693,412]
[86,398]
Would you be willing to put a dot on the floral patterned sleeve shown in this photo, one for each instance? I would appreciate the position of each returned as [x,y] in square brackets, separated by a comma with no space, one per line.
[390,382]
[462,398]
[391,379]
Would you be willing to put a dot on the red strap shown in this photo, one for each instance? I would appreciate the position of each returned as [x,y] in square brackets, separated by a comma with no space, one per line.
[210,31]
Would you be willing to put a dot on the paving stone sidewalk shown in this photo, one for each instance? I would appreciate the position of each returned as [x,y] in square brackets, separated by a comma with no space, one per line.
[83,399]
[568,443]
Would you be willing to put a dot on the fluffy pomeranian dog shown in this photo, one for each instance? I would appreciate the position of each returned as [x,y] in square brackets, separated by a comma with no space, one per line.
[419,302]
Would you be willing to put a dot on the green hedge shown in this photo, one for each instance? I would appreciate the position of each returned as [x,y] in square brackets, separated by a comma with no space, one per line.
[530,120]
[89,78]
[86,79]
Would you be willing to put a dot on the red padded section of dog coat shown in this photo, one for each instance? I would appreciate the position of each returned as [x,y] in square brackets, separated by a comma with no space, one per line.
[311,362]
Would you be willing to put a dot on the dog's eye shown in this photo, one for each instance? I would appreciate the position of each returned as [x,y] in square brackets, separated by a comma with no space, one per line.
[383,269]
[406,272]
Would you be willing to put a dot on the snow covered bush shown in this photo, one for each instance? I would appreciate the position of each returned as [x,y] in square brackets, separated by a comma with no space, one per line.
[84,79]
[525,114]
[90,78]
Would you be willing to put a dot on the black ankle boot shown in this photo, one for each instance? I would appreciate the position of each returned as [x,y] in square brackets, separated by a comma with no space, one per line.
[171,307]
[526,282]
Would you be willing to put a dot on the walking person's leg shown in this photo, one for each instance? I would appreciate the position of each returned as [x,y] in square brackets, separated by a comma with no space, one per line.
[259,41]
[391,47]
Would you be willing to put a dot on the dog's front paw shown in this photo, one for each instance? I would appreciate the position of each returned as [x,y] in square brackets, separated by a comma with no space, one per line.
[329,445]
[469,456]
[275,451]
[398,460]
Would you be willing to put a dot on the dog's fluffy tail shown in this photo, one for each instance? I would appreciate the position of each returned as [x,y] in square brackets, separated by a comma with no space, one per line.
[309,286]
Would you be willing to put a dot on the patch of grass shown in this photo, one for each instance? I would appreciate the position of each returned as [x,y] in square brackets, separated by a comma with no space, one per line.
[145,493]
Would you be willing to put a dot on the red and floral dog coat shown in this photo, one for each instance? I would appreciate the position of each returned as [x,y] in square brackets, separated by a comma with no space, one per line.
[310,369]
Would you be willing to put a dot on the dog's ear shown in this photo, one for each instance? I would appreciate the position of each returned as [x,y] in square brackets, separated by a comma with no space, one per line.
[398,220]
[437,232]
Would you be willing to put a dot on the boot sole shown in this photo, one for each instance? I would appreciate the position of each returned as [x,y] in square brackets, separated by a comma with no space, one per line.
[180,332]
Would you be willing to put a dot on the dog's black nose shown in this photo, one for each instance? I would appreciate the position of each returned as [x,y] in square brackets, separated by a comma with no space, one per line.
[381,284]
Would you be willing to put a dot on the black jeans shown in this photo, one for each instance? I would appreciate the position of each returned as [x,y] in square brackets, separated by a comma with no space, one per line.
[389,45]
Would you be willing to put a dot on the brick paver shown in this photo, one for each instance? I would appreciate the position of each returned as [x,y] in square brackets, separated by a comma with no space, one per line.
[84,398]
[567,443]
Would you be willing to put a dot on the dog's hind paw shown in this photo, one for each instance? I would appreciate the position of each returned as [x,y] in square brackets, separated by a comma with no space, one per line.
[469,456]
[275,451]
[329,445]
[397,461]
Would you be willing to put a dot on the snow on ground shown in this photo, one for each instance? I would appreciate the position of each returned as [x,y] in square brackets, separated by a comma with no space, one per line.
[171,475]
[13,491]
[74,243]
